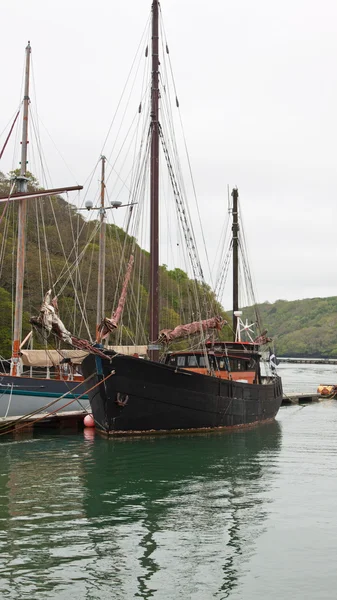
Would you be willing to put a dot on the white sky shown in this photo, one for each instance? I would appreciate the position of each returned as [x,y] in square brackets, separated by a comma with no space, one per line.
[257,87]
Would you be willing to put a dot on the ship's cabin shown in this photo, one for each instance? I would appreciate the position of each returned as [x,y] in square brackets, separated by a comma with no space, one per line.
[239,361]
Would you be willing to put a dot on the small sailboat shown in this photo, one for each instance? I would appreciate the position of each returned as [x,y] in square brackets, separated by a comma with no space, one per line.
[56,381]
[217,385]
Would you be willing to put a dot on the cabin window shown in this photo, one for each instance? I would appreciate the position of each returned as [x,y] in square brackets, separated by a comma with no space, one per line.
[180,361]
[172,360]
[238,365]
[202,361]
[222,363]
[192,361]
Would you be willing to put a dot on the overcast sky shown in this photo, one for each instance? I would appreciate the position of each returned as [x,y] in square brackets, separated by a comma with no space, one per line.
[257,87]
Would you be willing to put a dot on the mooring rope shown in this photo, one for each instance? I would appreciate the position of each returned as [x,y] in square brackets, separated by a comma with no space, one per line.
[46,406]
[10,426]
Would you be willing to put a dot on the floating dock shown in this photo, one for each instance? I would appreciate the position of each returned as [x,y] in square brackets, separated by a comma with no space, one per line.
[301,398]
[70,420]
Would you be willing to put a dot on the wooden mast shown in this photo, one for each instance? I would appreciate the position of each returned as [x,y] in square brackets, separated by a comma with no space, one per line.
[101,258]
[154,186]
[21,197]
[22,216]
[235,230]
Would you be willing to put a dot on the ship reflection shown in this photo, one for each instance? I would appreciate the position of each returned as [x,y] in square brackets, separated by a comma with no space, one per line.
[180,512]
[163,517]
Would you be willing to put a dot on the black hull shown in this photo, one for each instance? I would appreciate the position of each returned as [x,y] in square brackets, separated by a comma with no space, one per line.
[144,396]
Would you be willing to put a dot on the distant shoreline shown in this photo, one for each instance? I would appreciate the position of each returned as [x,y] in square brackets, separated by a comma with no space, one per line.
[311,360]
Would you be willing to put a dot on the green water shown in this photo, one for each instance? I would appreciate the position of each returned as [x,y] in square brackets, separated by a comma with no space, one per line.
[245,515]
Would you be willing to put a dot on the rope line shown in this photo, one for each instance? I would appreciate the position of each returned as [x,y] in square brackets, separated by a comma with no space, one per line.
[29,423]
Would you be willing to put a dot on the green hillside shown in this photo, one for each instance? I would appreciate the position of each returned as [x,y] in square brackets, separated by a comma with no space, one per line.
[301,328]
[56,235]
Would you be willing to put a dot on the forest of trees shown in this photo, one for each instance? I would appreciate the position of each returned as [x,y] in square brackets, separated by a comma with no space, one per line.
[304,328]
[54,230]
[301,328]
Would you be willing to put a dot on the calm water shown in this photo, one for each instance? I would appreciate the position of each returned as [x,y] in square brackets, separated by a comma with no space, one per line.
[245,515]
[306,378]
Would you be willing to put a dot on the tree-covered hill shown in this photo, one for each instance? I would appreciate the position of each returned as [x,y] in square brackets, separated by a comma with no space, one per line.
[56,236]
[301,328]
[55,230]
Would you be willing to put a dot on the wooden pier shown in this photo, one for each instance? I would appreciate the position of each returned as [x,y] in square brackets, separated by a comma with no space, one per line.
[301,398]
[70,420]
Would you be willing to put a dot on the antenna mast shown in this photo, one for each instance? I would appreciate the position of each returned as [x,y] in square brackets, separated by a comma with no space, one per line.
[235,230]
[101,259]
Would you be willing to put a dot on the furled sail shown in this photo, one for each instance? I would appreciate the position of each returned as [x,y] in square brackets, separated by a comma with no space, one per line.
[108,325]
[183,331]
[51,358]
[262,339]
[49,321]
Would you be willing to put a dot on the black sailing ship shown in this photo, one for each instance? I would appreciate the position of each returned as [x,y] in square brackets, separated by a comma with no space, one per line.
[221,385]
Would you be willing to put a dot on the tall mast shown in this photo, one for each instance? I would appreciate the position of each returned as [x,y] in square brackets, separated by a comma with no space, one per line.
[101,258]
[22,215]
[235,230]
[154,185]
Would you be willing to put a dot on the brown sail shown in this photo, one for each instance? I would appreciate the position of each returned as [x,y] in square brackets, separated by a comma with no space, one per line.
[183,331]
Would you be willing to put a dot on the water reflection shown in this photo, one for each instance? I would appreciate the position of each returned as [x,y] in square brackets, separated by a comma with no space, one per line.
[173,517]
[191,506]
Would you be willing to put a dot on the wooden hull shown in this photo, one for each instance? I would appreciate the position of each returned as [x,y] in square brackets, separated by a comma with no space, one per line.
[144,396]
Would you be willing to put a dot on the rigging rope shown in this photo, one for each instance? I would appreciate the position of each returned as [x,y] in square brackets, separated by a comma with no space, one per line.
[183,216]
[125,85]
[9,134]
[164,41]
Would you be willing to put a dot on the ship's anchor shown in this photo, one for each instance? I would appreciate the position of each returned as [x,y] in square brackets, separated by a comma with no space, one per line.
[122,399]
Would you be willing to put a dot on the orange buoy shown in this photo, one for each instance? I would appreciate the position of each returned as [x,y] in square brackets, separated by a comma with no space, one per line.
[89,421]
[326,390]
